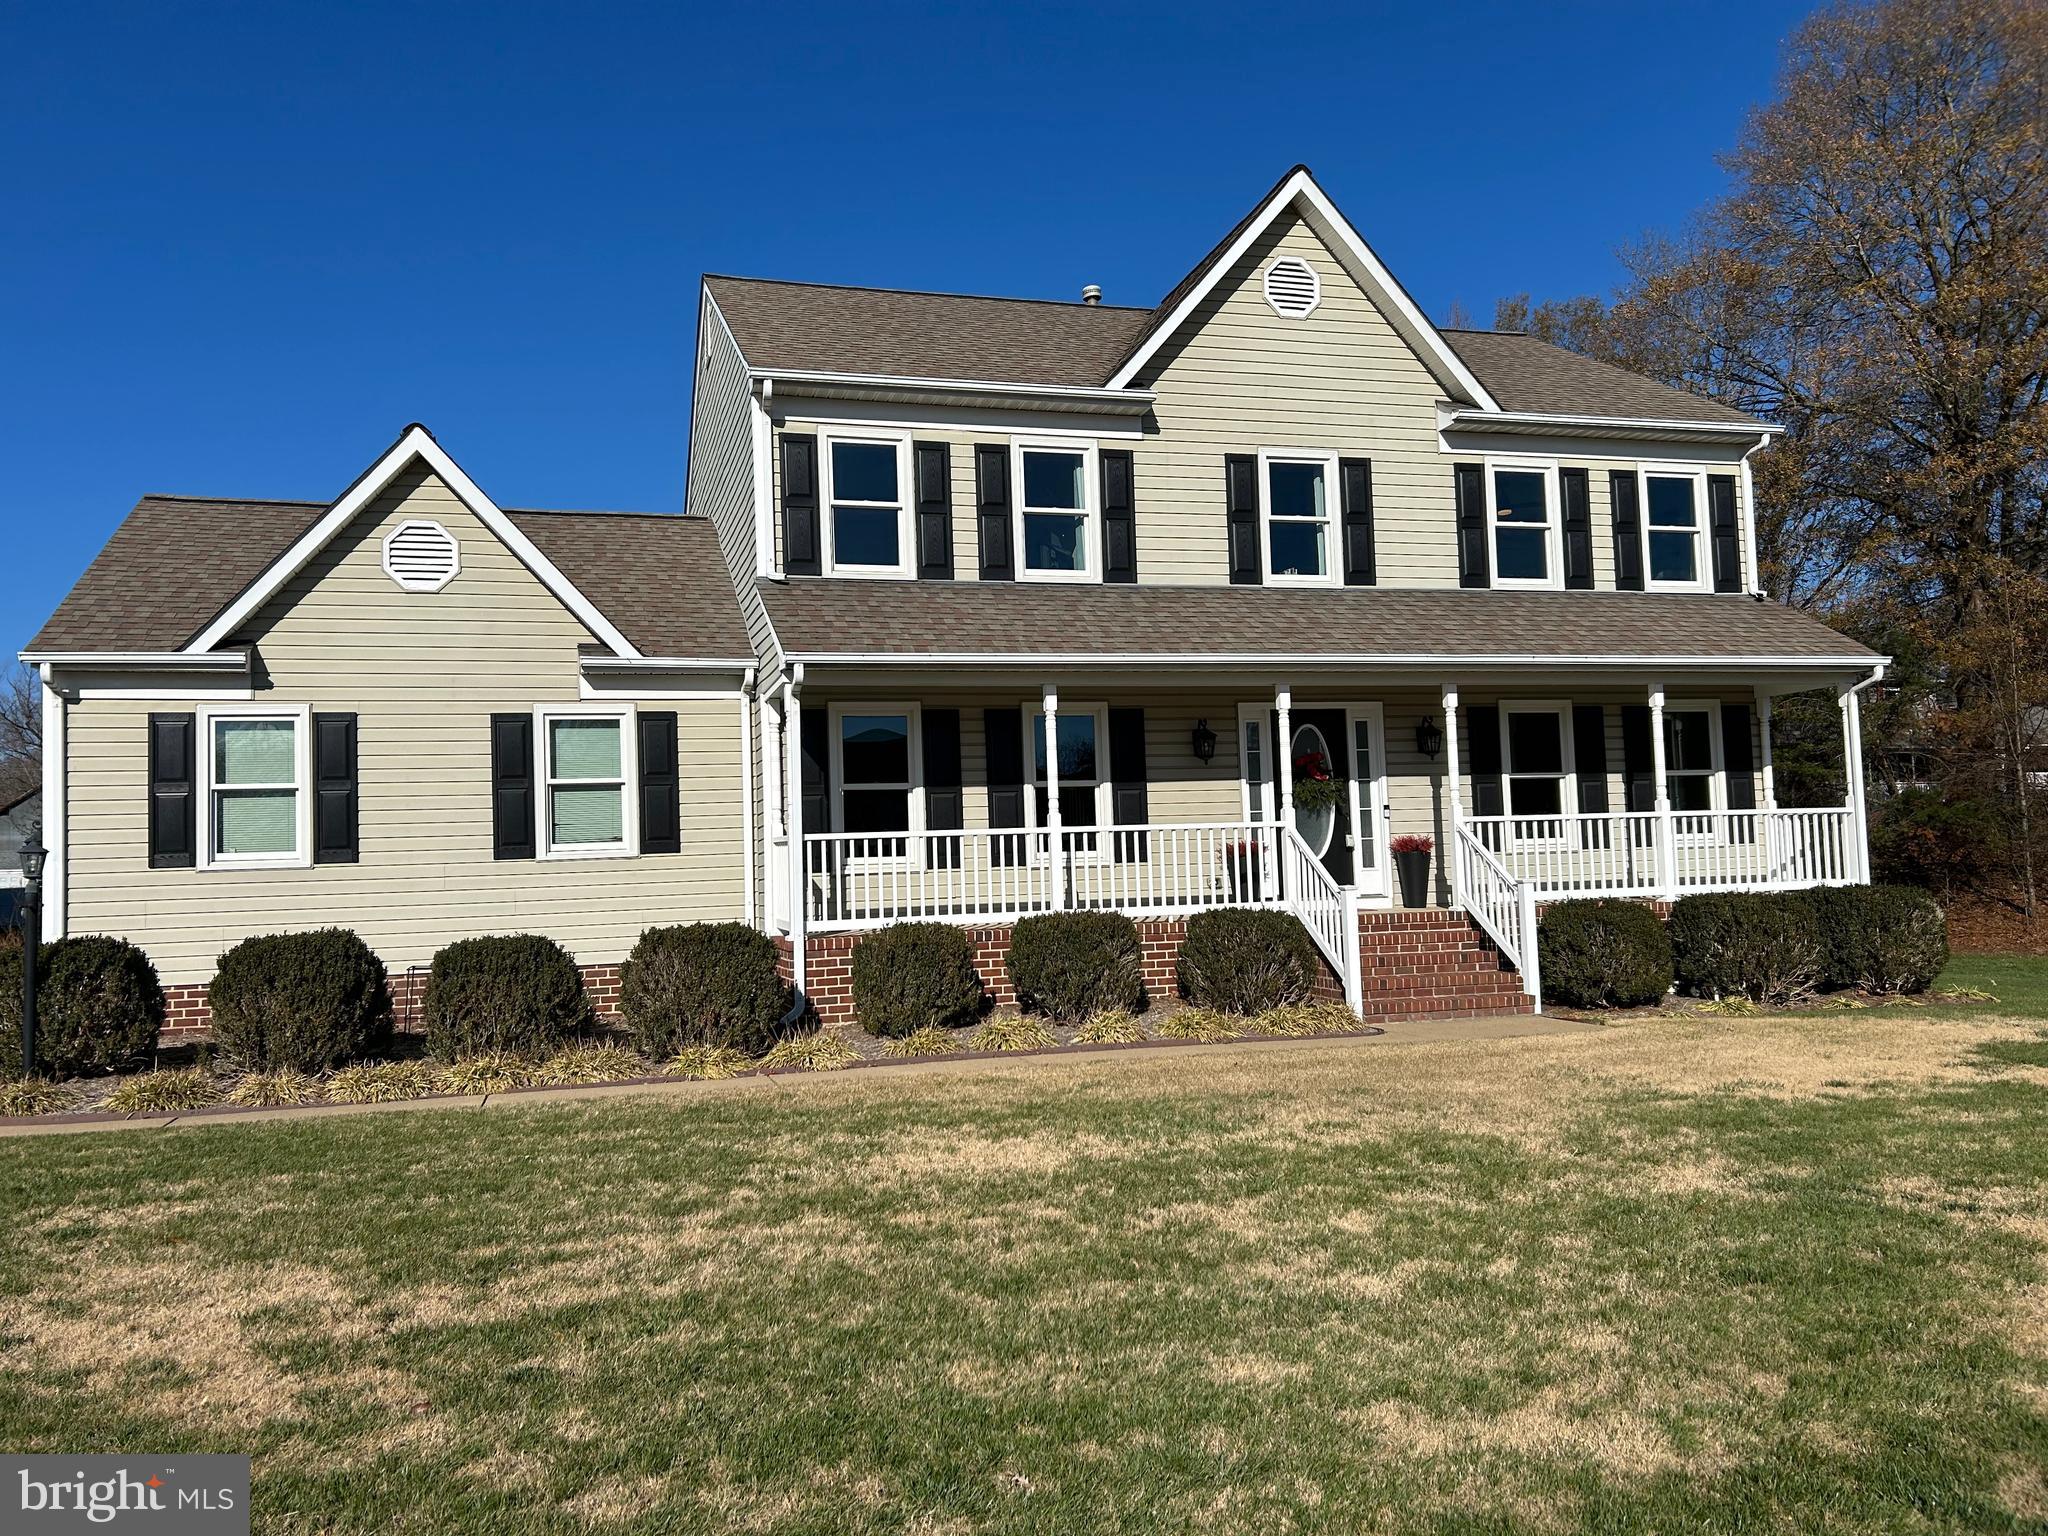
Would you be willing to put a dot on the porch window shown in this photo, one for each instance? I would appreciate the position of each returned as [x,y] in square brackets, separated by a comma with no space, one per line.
[864,479]
[1056,510]
[1297,492]
[1673,529]
[587,811]
[257,782]
[1081,782]
[1689,758]
[1535,759]
[1254,772]
[875,780]
[1525,525]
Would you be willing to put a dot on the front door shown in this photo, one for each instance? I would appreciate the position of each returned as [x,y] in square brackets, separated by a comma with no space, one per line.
[1319,758]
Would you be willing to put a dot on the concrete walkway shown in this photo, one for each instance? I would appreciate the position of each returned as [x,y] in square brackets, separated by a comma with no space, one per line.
[1395,1033]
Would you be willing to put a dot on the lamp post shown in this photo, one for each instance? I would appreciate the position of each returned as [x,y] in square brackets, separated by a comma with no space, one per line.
[33,853]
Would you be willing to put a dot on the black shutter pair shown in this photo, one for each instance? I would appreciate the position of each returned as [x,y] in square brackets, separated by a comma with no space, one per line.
[174,793]
[993,499]
[932,496]
[1628,532]
[515,783]
[1355,533]
[1003,745]
[1475,538]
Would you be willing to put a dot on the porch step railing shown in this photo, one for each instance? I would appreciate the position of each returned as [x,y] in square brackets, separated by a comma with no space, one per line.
[1500,902]
[1669,854]
[1327,910]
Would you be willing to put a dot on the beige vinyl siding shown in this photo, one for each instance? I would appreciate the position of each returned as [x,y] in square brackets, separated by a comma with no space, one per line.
[423,672]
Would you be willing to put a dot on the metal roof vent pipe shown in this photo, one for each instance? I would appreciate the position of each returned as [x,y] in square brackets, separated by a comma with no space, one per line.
[1092,294]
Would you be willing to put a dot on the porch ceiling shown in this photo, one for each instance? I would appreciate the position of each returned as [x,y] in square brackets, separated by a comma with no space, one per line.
[1038,624]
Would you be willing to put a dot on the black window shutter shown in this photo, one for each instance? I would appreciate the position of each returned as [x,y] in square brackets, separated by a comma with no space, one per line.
[934,463]
[1128,802]
[1241,506]
[1483,735]
[817,771]
[800,554]
[1589,757]
[173,826]
[1628,532]
[1578,529]
[334,789]
[1474,565]
[1354,479]
[1721,524]
[1737,758]
[512,787]
[1638,760]
[944,807]
[1119,516]
[1003,747]
[992,509]
[661,816]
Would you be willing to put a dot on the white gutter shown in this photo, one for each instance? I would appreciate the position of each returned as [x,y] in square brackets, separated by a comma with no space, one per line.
[1130,401]
[1543,421]
[665,664]
[201,661]
[1436,659]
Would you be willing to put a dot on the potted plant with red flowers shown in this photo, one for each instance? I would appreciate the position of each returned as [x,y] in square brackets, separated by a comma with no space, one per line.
[1411,852]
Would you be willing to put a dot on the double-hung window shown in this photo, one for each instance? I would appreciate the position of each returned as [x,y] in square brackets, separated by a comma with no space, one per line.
[1674,528]
[586,808]
[1690,757]
[867,523]
[1296,492]
[1056,510]
[1523,497]
[1535,751]
[1083,788]
[875,747]
[257,809]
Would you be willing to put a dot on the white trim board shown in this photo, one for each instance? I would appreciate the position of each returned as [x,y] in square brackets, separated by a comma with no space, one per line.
[415,442]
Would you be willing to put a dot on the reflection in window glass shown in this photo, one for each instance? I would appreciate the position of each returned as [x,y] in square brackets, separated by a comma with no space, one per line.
[1673,529]
[1689,759]
[1055,510]
[874,757]
[1521,535]
[1079,771]
[1298,516]
[867,505]
[1535,763]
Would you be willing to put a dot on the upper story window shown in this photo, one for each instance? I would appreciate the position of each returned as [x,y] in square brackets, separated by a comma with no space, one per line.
[256,795]
[1056,510]
[1674,528]
[1523,497]
[1295,499]
[867,527]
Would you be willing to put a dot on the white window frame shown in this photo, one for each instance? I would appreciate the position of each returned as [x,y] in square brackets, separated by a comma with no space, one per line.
[1255,792]
[913,835]
[1568,791]
[628,845]
[1091,506]
[1716,776]
[1105,786]
[1332,521]
[1702,543]
[828,529]
[301,716]
[1552,525]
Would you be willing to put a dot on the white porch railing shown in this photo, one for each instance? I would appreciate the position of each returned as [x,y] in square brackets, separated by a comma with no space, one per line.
[997,875]
[1500,902]
[1659,854]
[1327,910]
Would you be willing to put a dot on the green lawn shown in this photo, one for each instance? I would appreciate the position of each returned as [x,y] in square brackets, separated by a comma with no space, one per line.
[1717,1274]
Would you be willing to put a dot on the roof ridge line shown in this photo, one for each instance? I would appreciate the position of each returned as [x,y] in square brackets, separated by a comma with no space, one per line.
[931,293]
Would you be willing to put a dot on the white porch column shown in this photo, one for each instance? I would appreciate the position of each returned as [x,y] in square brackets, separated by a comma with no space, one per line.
[1667,883]
[1852,782]
[1283,705]
[1763,731]
[1056,853]
[1450,698]
[793,821]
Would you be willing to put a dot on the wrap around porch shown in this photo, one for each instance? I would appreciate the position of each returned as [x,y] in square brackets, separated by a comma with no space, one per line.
[950,806]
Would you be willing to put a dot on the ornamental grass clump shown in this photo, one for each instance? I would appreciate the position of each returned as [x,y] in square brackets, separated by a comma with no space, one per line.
[929,1041]
[488,1072]
[160,1092]
[383,1082]
[708,1063]
[575,1065]
[1012,1032]
[819,1051]
[299,1001]
[1301,1021]
[1110,1026]
[912,977]
[34,1096]
[1207,1025]
[275,1089]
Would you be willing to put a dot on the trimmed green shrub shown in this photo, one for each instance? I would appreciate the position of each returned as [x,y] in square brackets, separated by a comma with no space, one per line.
[1068,965]
[1603,954]
[912,976]
[1884,938]
[1247,960]
[505,992]
[711,984]
[307,1001]
[1762,946]
[98,1006]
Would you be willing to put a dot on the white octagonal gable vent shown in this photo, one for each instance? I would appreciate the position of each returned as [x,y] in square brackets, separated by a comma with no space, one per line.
[421,557]
[1292,287]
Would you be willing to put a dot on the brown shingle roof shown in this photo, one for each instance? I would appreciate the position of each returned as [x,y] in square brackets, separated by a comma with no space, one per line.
[812,327]
[818,617]
[177,561]
[1524,374]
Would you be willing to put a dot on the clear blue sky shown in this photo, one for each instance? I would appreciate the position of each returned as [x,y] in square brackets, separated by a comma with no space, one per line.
[244,245]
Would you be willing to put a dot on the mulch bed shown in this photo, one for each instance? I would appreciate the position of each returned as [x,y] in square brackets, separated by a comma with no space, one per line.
[1987,925]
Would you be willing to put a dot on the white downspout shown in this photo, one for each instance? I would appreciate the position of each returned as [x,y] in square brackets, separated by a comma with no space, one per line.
[57,867]
[1852,761]
[793,798]
[747,795]
[1756,575]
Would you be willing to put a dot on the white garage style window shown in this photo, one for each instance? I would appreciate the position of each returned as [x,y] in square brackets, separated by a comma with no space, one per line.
[868,525]
[586,811]
[1056,510]
[255,799]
